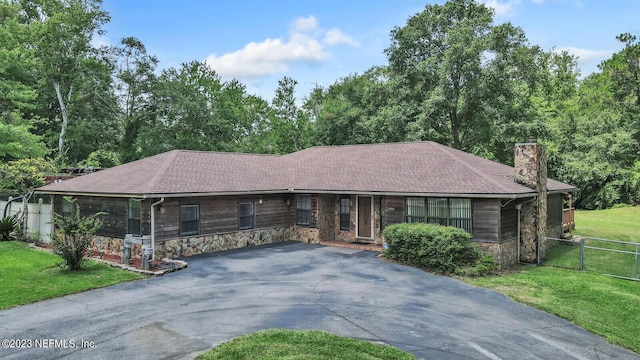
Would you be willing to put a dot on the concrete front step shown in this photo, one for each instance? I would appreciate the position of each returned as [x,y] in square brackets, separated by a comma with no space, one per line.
[350,245]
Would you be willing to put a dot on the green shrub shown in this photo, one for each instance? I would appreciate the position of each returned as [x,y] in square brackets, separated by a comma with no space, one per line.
[441,249]
[621,205]
[72,238]
[485,265]
[8,227]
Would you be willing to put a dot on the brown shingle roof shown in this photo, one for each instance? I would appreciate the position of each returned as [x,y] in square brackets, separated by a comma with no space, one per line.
[181,171]
[408,168]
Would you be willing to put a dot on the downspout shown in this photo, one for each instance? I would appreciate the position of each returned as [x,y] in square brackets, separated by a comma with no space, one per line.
[153,227]
[518,207]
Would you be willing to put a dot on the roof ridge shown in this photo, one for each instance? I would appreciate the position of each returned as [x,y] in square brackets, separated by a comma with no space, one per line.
[165,165]
[453,156]
[225,152]
[363,145]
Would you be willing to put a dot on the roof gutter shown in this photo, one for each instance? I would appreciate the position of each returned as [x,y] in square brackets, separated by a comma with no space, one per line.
[417,194]
[143,196]
[307,191]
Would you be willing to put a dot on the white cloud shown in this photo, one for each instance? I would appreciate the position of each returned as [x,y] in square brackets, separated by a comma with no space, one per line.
[336,37]
[587,60]
[271,56]
[304,25]
[586,55]
[502,8]
[275,56]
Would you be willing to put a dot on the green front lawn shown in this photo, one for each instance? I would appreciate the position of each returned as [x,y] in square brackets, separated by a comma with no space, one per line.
[28,275]
[616,224]
[603,305]
[304,344]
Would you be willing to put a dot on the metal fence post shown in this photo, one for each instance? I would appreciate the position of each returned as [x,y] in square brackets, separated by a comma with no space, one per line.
[635,270]
[581,267]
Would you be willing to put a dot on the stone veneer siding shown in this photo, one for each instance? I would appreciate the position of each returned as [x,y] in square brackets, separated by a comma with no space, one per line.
[378,239]
[505,253]
[530,161]
[201,244]
[345,235]
[326,222]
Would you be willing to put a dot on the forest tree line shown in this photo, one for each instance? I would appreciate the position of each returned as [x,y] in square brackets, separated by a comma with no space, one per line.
[454,76]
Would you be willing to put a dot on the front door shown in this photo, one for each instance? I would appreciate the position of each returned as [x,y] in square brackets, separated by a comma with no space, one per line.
[364,216]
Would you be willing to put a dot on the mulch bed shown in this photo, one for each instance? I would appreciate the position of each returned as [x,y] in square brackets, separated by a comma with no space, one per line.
[158,267]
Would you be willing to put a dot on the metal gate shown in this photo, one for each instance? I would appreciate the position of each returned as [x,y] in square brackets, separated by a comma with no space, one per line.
[608,257]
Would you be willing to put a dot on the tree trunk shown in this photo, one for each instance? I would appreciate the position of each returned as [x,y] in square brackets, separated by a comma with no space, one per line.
[65,119]
[25,216]
[455,129]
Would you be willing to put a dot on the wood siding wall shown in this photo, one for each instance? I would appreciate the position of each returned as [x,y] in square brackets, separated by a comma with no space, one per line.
[509,222]
[554,210]
[486,220]
[114,223]
[219,214]
[392,210]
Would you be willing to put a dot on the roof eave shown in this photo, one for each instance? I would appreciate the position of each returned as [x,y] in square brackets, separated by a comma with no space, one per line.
[306,191]
[417,194]
[159,195]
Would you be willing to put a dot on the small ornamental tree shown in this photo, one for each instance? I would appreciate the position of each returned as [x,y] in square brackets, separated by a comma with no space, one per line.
[22,177]
[72,238]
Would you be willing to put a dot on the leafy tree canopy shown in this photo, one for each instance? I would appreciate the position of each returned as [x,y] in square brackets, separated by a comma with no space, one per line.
[22,176]
[17,142]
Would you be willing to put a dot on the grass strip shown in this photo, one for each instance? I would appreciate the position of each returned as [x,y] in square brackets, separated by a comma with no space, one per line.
[302,344]
[27,275]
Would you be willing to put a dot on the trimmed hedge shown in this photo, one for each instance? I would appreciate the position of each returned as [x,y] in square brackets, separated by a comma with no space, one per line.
[442,249]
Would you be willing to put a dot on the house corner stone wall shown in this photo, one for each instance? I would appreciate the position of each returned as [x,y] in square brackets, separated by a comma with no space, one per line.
[345,235]
[327,216]
[530,161]
[505,253]
[378,239]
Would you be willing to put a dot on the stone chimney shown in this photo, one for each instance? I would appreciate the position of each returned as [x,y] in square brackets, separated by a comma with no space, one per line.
[531,171]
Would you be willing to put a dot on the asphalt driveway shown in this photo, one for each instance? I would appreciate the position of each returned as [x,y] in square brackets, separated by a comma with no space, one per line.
[296,286]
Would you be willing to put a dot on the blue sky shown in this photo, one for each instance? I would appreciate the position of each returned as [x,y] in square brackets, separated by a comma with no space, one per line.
[320,41]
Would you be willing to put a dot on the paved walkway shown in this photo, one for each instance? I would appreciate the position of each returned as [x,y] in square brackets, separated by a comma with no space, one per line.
[297,286]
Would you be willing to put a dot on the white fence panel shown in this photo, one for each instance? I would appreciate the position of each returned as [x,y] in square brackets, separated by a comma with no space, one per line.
[39,223]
